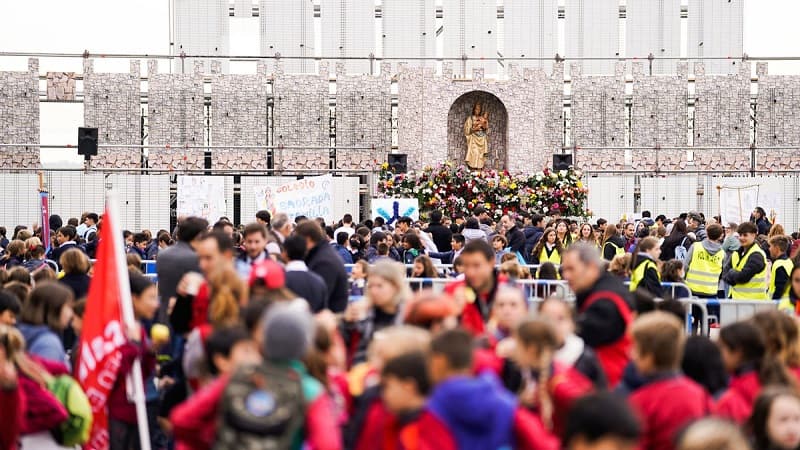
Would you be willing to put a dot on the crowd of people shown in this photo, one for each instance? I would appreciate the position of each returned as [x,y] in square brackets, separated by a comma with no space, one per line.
[290,333]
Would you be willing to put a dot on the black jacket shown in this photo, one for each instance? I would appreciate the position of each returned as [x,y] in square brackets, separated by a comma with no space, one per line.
[324,261]
[671,243]
[650,282]
[516,239]
[601,323]
[532,236]
[56,252]
[441,236]
[609,252]
[755,264]
[309,286]
[78,283]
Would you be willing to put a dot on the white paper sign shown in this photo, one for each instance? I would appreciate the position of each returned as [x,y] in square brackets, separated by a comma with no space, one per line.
[392,209]
[738,200]
[311,197]
[201,196]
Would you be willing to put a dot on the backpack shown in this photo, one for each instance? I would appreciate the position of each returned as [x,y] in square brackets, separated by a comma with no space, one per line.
[681,253]
[262,408]
[76,429]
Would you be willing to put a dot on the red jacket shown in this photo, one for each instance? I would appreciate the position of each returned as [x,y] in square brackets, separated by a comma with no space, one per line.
[377,420]
[43,411]
[194,421]
[565,387]
[119,408]
[736,403]
[13,401]
[423,431]
[478,308]
[200,305]
[665,405]
[613,356]
[530,433]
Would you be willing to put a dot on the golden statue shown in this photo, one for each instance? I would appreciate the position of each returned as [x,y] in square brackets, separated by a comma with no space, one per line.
[475,130]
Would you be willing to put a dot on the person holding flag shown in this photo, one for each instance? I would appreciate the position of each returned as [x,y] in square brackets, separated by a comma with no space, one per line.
[112,345]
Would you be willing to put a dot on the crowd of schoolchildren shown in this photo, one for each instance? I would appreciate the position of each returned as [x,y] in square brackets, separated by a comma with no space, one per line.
[257,337]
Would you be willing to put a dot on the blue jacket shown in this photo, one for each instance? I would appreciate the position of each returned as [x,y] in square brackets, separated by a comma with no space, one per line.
[478,411]
[347,257]
[43,342]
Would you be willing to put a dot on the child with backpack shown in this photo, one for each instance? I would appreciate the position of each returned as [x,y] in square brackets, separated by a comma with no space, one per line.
[194,422]
[288,412]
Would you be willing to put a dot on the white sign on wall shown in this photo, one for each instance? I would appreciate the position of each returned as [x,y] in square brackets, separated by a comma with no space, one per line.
[201,196]
[311,197]
[737,200]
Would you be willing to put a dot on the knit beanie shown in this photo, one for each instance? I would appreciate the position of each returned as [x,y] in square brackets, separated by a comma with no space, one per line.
[288,331]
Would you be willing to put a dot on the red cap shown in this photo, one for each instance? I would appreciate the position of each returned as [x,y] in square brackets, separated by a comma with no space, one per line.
[270,273]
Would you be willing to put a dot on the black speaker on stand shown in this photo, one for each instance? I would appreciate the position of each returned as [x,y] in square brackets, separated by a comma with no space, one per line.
[398,162]
[562,161]
[87,142]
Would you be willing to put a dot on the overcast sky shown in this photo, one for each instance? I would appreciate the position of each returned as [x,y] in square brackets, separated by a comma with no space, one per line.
[142,26]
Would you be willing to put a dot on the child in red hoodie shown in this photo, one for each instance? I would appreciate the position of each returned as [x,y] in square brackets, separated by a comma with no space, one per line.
[405,387]
[545,386]
[745,357]
[668,400]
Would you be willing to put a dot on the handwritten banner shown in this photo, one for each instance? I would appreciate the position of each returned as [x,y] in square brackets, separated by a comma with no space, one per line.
[201,196]
[392,209]
[311,197]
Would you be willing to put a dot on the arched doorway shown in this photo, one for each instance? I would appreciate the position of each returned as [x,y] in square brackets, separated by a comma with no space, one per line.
[498,128]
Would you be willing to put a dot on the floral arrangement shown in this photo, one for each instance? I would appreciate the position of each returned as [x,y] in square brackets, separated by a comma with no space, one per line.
[458,189]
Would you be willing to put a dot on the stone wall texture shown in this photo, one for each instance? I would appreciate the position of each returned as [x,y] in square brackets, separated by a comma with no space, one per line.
[239,119]
[425,101]
[659,117]
[175,119]
[112,105]
[778,117]
[598,118]
[295,114]
[302,120]
[363,118]
[19,117]
[722,118]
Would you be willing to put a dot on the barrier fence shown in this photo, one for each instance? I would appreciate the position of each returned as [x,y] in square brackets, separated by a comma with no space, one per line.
[702,315]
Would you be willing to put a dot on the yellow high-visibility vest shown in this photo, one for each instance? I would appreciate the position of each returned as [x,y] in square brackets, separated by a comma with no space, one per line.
[786,264]
[554,257]
[756,288]
[638,273]
[704,270]
[617,250]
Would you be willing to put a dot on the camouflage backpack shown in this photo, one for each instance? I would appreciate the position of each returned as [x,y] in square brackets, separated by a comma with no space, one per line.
[262,408]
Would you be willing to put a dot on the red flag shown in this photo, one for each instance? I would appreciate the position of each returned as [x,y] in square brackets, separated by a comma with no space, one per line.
[103,331]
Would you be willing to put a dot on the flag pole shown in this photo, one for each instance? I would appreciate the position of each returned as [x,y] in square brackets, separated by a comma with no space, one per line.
[128,318]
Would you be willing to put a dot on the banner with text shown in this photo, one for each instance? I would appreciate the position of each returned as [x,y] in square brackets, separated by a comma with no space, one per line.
[311,197]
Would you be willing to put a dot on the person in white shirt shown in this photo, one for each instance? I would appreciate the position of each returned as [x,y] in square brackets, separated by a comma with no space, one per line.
[347,226]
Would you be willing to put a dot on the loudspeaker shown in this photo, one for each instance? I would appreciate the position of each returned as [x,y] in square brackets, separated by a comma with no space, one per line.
[87,142]
[561,161]
[398,162]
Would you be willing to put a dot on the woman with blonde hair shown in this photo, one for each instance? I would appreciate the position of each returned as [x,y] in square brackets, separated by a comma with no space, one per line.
[387,290]
[227,294]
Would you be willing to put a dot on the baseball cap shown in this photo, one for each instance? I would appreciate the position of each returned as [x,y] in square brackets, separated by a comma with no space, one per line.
[269,273]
